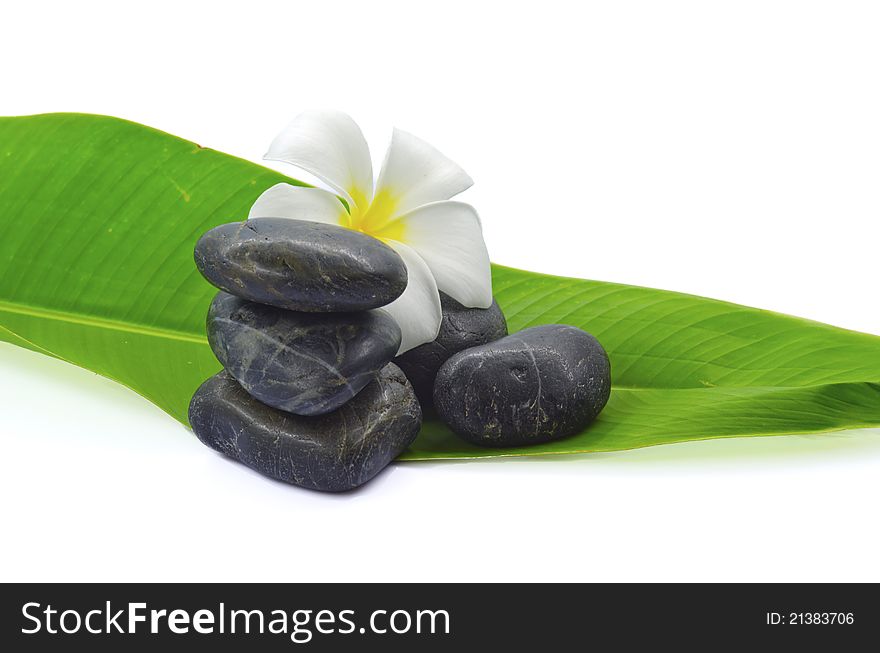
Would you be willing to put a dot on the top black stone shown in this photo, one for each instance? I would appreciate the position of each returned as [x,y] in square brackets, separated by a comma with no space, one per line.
[301,265]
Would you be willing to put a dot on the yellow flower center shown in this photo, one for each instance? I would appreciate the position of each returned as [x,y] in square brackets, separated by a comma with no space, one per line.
[377,217]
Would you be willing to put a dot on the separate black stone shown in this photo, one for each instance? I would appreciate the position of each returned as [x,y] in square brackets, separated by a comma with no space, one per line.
[460,329]
[334,452]
[301,265]
[537,385]
[304,363]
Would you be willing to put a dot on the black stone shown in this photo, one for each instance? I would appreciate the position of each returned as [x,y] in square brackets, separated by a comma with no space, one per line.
[460,329]
[304,363]
[301,265]
[537,385]
[334,452]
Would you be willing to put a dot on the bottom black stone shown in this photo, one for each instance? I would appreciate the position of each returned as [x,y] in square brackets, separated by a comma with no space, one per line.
[333,452]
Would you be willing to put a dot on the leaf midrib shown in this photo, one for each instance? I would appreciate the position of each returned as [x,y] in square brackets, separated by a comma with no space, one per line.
[183,336]
[101,323]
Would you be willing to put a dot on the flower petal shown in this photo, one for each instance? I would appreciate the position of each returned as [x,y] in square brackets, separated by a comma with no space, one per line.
[331,146]
[416,173]
[417,310]
[448,236]
[299,203]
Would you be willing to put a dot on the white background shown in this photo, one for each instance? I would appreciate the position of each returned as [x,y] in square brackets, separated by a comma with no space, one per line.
[728,149]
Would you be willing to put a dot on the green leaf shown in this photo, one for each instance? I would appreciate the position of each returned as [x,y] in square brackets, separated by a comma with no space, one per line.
[689,368]
[99,220]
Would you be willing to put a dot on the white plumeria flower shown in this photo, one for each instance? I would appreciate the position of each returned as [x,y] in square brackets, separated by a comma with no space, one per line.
[408,208]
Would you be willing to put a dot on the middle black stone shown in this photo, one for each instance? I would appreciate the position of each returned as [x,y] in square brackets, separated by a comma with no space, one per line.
[303,363]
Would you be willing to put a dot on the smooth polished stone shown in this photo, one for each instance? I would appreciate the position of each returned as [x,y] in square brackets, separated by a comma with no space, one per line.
[301,265]
[333,452]
[460,329]
[304,363]
[537,385]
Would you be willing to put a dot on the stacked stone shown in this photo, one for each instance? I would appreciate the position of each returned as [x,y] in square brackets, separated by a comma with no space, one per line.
[313,392]
[308,394]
